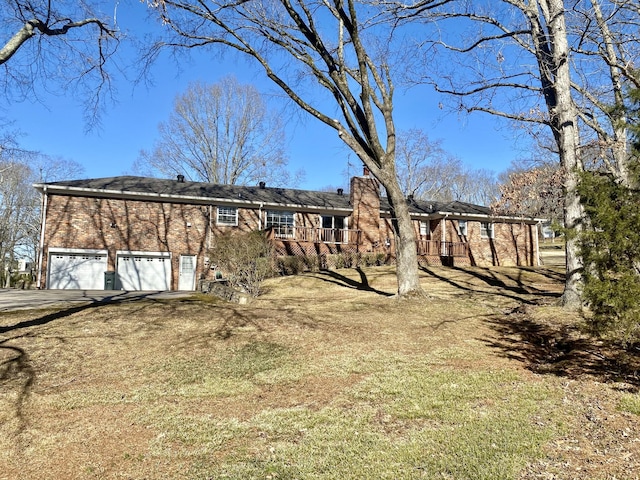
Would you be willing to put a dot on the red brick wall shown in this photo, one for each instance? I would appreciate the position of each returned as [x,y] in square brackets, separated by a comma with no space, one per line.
[512,244]
[85,223]
[365,200]
[82,222]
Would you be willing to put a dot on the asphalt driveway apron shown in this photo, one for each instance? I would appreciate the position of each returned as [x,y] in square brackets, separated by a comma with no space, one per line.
[11,299]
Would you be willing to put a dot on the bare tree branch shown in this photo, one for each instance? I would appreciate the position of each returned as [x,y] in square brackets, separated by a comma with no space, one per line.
[325,56]
[42,53]
[220,133]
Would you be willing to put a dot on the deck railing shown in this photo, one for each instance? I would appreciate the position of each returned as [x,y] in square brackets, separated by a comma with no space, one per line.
[314,235]
[442,249]
[352,237]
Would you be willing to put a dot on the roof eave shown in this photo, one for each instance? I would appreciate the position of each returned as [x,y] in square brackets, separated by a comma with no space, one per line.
[98,192]
[471,216]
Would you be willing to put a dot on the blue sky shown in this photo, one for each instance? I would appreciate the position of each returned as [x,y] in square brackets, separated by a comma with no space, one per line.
[55,125]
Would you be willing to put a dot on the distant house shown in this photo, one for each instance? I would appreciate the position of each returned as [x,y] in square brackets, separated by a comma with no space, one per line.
[154,234]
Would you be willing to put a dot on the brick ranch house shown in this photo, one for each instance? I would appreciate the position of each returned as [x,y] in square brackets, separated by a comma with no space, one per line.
[154,234]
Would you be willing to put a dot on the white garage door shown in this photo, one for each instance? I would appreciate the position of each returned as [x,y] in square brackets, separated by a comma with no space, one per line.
[144,272]
[83,271]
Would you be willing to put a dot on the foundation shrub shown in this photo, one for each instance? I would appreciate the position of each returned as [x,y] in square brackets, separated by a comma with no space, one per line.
[245,258]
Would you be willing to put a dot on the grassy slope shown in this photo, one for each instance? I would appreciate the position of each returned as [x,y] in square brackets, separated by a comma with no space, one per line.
[324,377]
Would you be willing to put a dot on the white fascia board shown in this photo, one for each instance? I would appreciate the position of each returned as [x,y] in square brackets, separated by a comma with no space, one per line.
[95,192]
[490,218]
[472,217]
[304,208]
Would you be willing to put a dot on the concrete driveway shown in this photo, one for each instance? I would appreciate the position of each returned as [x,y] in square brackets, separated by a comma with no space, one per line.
[11,299]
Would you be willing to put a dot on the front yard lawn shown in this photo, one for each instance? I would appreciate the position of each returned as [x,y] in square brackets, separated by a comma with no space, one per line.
[323,377]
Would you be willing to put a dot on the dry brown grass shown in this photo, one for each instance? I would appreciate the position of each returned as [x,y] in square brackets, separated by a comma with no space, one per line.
[196,388]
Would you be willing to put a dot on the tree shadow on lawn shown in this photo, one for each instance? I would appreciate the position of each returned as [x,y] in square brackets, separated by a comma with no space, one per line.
[560,349]
[124,297]
[16,368]
[17,372]
[334,277]
[520,292]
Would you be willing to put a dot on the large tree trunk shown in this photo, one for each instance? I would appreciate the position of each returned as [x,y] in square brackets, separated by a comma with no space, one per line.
[335,58]
[552,52]
[384,169]
[571,297]
[406,250]
[619,141]
[564,120]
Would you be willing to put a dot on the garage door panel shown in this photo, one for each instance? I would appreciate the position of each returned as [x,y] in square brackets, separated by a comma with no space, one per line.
[144,272]
[77,271]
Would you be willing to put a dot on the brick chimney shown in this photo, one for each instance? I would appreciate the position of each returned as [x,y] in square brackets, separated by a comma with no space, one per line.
[365,200]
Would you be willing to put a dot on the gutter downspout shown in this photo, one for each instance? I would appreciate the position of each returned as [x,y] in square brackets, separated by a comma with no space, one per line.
[210,229]
[536,239]
[260,215]
[43,221]
[443,236]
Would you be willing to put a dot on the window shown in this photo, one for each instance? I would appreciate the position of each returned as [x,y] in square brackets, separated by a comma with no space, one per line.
[462,228]
[281,222]
[227,216]
[425,229]
[333,229]
[333,222]
[486,230]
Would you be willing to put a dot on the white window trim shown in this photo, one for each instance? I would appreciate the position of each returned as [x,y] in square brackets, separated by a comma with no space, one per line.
[427,228]
[460,228]
[344,237]
[490,230]
[279,212]
[281,233]
[229,224]
[333,220]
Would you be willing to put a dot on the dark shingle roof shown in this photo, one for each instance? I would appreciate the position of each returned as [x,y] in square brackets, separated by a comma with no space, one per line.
[123,185]
[422,206]
[210,191]
[429,207]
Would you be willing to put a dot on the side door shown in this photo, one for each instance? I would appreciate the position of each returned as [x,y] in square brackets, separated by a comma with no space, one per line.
[187,280]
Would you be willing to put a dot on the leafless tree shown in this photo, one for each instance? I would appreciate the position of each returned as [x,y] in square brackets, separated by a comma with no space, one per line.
[220,133]
[20,205]
[332,59]
[14,209]
[475,185]
[512,58]
[426,171]
[55,44]
[424,168]
[605,51]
